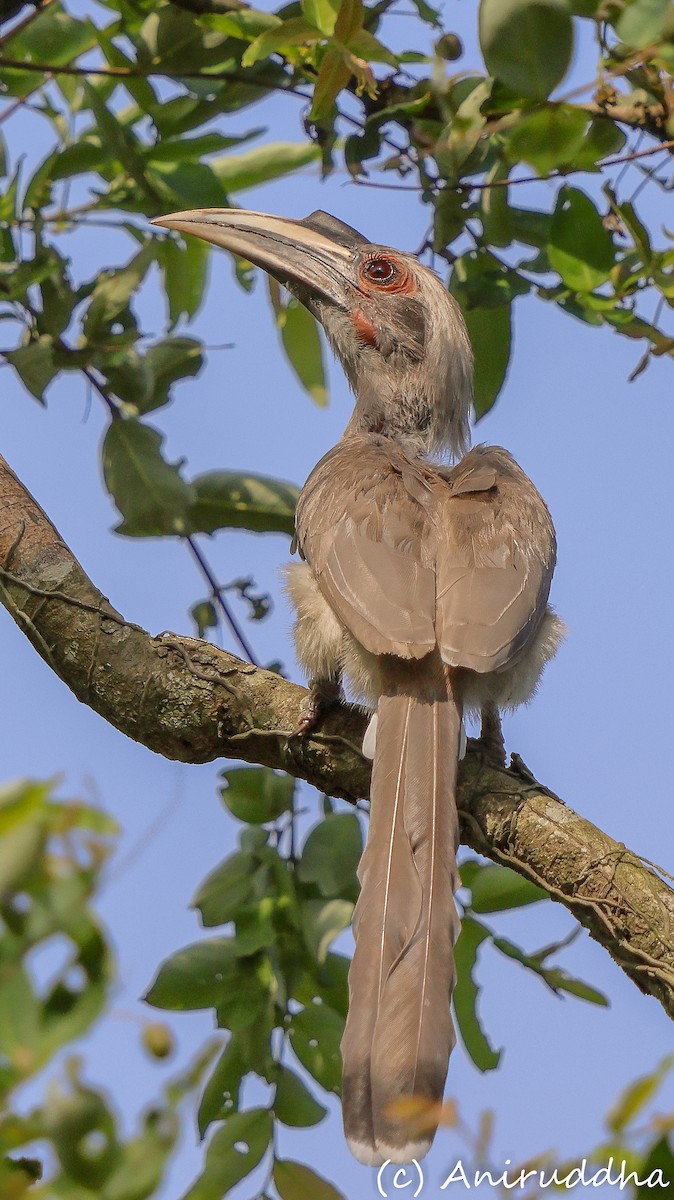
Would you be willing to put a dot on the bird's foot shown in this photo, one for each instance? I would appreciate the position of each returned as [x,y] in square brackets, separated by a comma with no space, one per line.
[490,744]
[492,750]
[323,694]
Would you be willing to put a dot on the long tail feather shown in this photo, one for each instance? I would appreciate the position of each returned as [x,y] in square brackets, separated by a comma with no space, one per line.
[399,1031]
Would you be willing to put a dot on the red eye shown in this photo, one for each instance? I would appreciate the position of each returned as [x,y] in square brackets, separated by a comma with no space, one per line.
[380,270]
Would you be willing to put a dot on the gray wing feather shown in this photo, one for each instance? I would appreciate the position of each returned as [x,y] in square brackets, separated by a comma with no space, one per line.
[486,615]
[494,565]
[385,597]
[409,556]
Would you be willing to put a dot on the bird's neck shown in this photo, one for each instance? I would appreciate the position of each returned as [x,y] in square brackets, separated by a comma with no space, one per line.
[403,417]
[402,408]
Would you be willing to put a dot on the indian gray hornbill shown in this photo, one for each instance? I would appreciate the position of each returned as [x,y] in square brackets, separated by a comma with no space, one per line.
[426,587]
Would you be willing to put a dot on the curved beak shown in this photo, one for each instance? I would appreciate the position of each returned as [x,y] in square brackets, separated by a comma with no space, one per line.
[313,258]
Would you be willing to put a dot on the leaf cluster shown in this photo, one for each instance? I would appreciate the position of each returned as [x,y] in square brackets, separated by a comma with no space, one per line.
[279,988]
[53,853]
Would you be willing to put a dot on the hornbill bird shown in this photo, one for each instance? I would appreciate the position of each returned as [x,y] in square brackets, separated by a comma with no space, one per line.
[426,587]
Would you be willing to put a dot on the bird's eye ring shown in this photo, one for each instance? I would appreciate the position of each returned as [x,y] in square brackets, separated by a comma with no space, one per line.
[379,270]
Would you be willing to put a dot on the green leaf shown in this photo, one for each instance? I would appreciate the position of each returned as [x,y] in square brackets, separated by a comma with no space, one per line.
[302,344]
[236,172]
[315,1036]
[53,37]
[359,148]
[643,22]
[176,149]
[20,1020]
[660,1158]
[141,90]
[294,32]
[450,217]
[20,849]
[350,19]
[427,12]
[328,980]
[226,890]
[460,141]
[295,1181]
[580,248]
[527,44]
[257,794]
[322,921]
[253,839]
[149,492]
[185,270]
[578,988]
[129,376]
[255,931]
[233,1152]
[331,855]
[480,280]
[73,1120]
[548,138]
[229,500]
[169,32]
[38,193]
[495,888]
[489,330]
[34,364]
[196,977]
[193,184]
[204,616]
[601,140]
[246,1051]
[531,226]
[87,154]
[322,14]
[122,144]
[371,49]
[333,75]
[626,213]
[246,1002]
[636,1096]
[58,298]
[557,979]
[293,1103]
[466,996]
[222,1089]
[113,292]
[168,361]
[495,213]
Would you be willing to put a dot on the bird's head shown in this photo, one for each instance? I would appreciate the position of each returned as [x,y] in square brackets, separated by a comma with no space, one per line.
[398,333]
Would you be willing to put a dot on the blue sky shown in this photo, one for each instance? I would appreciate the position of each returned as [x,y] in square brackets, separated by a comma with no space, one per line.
[599,733]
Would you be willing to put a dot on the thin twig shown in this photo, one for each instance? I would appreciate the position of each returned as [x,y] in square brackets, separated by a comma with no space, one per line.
[468,185]
[137,73]
[20,102]
[102,391]
[19,28]
[219,599]
[623,170]
[614,72]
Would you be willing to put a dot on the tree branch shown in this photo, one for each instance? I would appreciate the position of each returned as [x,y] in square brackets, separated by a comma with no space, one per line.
[189,700]
[199,7]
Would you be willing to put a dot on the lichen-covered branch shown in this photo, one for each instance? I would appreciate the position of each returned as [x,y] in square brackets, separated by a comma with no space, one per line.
[191,701]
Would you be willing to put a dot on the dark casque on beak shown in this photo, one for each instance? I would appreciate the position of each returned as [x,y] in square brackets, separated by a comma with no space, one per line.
[314,255]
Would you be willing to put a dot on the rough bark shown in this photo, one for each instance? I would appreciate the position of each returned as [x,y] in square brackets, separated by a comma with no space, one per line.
[189,700]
